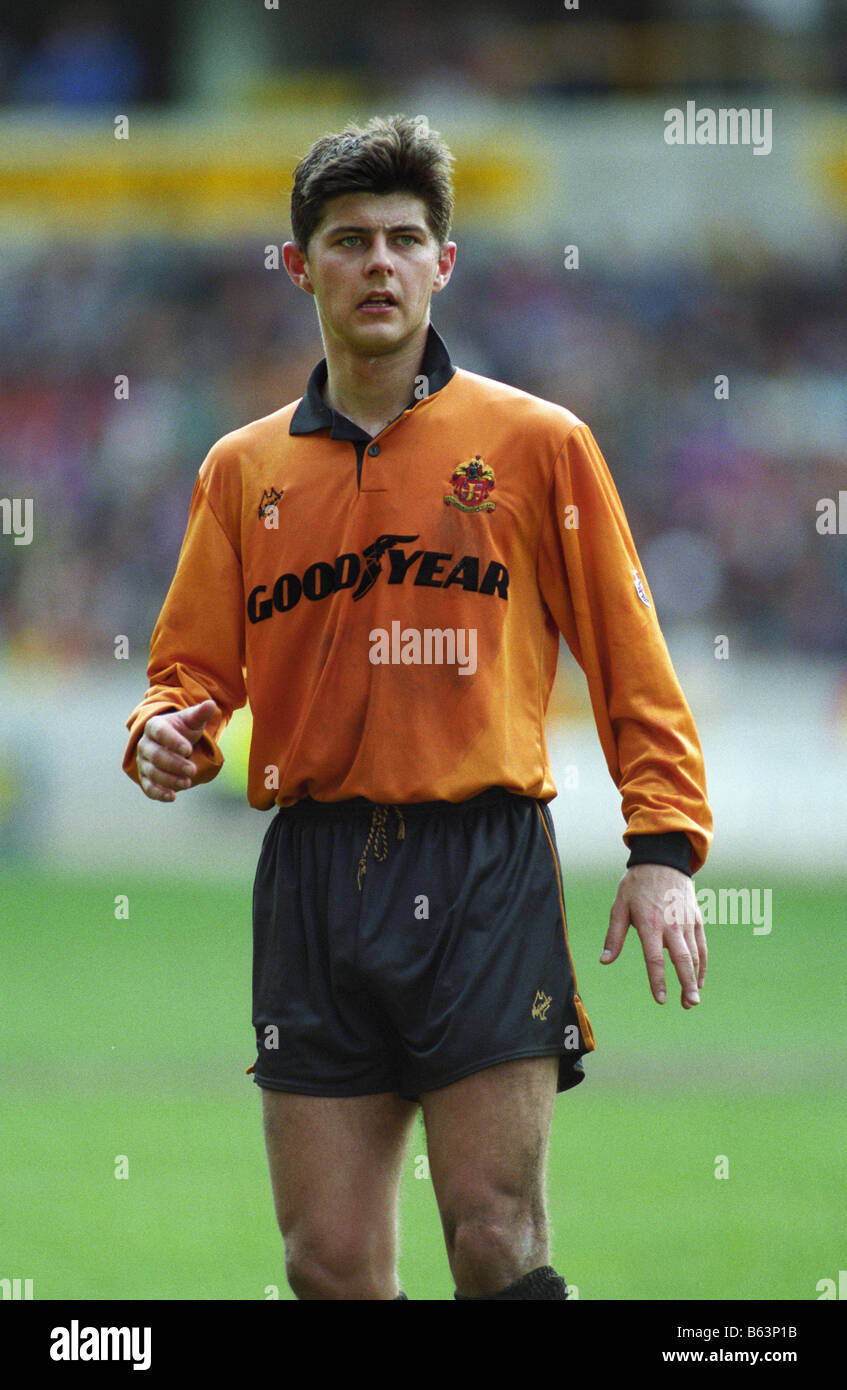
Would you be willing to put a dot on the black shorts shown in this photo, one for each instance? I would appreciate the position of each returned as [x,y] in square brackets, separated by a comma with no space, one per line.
[402,948]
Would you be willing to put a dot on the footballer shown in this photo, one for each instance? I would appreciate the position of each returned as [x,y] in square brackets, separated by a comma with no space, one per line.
[384,568]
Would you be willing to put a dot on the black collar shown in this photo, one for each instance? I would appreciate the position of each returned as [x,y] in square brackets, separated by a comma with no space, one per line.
[314,414]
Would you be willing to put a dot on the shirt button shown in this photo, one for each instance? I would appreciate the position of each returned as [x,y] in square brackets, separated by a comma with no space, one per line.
[373,450]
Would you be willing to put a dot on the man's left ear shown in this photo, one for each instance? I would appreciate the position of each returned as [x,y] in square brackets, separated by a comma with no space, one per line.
[446,261]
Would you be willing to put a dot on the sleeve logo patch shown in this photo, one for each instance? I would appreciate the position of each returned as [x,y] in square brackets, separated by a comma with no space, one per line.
[640,590]
[472,482]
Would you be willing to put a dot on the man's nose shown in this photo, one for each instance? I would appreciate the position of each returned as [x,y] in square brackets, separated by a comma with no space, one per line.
[379,258]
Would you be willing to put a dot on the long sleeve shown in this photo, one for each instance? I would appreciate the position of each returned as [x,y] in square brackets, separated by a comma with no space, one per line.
[197,648]
[593,584]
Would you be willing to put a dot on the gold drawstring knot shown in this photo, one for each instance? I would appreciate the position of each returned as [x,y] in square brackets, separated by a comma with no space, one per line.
[379,839]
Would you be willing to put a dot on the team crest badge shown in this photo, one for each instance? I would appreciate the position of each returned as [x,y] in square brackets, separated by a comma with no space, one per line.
[270,498]
[472,482]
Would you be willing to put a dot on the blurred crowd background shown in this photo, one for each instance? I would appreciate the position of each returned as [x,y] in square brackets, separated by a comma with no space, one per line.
[183,51]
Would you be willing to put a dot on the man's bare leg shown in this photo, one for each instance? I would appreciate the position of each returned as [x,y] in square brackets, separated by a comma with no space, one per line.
[487,1137]
[335,1168]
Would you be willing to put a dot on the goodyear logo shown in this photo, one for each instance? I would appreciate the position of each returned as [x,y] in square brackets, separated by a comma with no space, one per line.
[430,569]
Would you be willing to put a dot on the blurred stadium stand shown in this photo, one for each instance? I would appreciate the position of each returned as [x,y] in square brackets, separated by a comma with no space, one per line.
[160,51]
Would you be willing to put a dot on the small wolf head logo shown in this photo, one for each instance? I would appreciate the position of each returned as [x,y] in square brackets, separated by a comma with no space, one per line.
[541,1004]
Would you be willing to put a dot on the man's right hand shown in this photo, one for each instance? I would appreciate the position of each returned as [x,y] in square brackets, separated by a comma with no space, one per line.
[165,748]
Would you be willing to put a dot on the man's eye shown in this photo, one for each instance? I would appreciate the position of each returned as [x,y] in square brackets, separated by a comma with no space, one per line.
[350,240]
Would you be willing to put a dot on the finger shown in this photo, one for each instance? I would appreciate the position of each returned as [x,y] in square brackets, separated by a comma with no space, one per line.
[152,789]
[157,793]
[161,730]
[684,966]
[693,950]
[165,781]
[154,776]
[654,959]
[619,923]
[175,779]
[155,756]
[195,719]
[702,950]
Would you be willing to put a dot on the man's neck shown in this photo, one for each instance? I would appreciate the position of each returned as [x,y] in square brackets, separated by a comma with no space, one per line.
[373,391]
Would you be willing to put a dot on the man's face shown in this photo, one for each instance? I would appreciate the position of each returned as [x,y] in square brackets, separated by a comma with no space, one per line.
[372,264]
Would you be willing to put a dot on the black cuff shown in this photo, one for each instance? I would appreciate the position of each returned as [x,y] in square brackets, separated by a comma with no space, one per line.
[672,848]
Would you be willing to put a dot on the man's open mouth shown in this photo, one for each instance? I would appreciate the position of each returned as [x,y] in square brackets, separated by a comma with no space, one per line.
[379,299]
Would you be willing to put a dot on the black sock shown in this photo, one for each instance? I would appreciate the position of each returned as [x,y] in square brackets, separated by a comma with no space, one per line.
[542,1283]
[399,1296]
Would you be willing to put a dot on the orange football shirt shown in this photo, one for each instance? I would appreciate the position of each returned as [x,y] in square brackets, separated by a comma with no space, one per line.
[392,611]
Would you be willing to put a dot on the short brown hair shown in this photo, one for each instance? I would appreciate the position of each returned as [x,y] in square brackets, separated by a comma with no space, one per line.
[398,155]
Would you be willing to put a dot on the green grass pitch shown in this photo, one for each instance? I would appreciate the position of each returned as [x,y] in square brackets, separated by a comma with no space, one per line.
[125,1041]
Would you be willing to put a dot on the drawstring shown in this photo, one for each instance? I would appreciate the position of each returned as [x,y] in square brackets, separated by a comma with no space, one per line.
[378,838]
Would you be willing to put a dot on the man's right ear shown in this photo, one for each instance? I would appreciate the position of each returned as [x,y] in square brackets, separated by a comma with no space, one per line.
[296,265]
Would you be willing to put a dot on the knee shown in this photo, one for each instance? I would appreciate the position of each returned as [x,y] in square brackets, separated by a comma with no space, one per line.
[336,1267]
[489,1247]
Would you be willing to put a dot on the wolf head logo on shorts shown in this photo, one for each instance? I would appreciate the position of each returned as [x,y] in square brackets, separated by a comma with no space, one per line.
[541,1004]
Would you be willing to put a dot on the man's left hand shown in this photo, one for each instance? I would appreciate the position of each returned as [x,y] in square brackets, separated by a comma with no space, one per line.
[661,904]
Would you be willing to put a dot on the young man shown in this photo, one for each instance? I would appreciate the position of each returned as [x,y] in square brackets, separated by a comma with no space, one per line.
[384,568]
